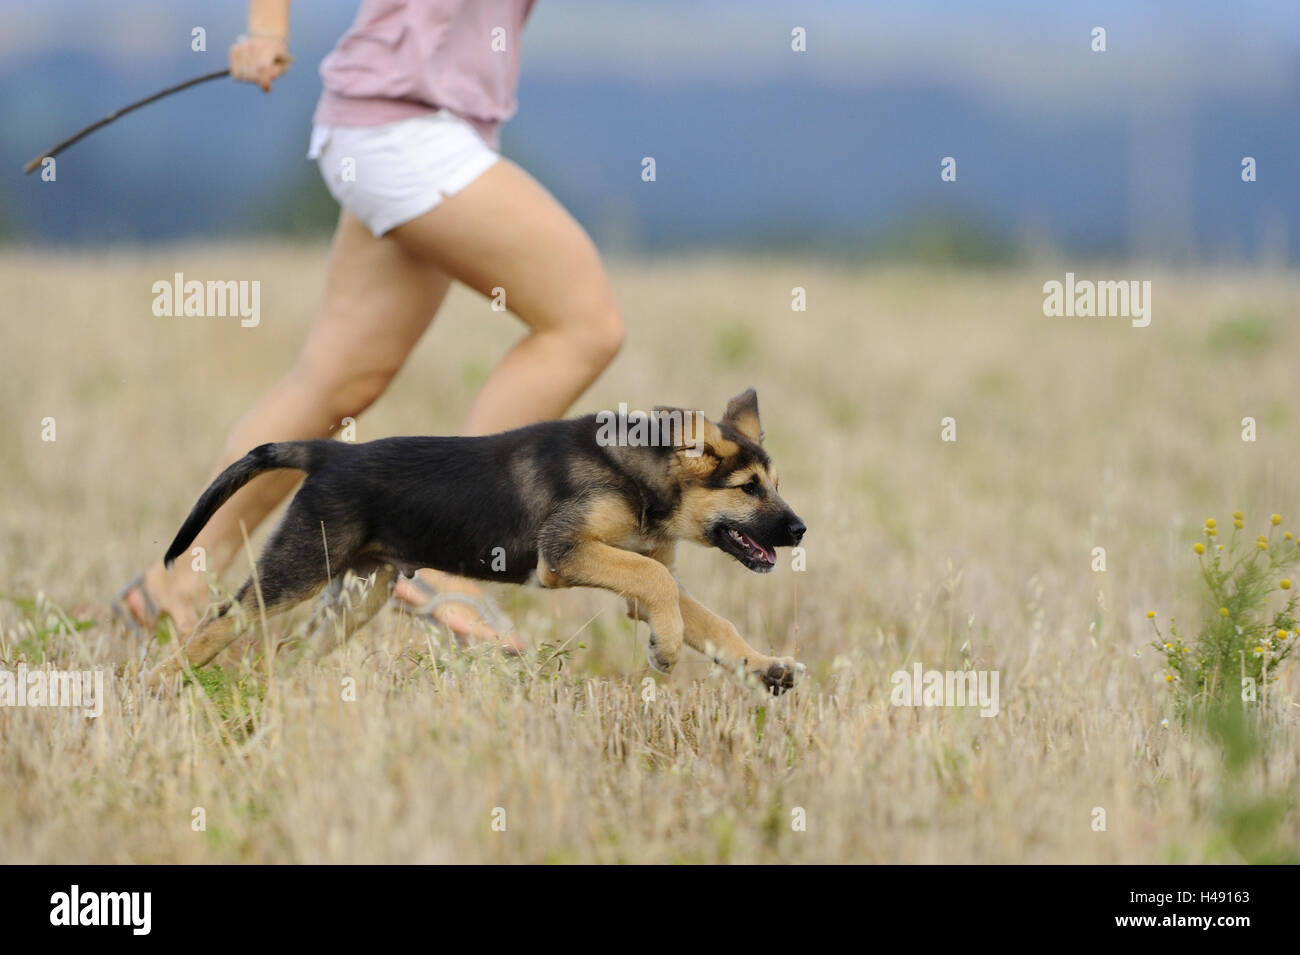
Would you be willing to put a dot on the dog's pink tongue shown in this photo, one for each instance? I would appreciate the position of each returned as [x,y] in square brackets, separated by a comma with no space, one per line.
[767,555]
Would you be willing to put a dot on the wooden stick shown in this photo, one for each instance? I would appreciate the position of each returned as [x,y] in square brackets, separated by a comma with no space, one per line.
[82,134]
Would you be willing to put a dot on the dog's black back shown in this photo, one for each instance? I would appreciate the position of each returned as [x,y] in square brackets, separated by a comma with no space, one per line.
[473,506]
[469,506]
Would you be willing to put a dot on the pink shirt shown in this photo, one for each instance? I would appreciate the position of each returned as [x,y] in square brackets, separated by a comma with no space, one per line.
[404,58]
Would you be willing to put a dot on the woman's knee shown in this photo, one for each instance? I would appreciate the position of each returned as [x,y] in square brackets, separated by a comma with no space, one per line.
[596,333]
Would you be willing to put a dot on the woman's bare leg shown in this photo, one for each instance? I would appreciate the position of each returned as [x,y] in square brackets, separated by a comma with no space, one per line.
[505,231]
[379,299]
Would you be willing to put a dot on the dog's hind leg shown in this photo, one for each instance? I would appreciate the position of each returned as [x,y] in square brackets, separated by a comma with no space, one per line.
[348,605]
[280,592]
[290,571]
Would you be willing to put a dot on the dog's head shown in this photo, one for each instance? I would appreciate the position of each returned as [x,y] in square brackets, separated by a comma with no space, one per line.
[730,498]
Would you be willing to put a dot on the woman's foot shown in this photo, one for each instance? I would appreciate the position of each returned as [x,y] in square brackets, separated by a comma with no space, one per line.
[151,596]
[460,605]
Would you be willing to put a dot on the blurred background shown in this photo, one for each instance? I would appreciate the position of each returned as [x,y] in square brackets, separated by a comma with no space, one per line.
[776,170]
[1131,153]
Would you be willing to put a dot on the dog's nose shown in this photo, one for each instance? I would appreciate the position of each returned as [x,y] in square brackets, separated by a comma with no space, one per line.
[796,528]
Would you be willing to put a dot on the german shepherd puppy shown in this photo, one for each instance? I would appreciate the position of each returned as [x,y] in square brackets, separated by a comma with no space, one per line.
[562,503]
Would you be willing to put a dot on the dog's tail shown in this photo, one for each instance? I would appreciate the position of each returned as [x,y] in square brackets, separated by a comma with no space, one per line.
[301,455]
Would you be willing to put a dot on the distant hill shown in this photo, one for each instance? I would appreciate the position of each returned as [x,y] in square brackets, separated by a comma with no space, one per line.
[789,163]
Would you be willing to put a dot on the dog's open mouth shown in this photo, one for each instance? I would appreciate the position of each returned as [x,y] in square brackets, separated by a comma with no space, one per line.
[746,550]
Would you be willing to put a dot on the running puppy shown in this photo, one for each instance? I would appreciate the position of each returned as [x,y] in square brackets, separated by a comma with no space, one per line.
[599,501]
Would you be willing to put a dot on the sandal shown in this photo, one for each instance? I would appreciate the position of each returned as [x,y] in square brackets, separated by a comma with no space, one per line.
[122,610]
[489,612]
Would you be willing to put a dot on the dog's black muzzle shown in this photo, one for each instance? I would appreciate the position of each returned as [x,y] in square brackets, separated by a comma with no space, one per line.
[754,544]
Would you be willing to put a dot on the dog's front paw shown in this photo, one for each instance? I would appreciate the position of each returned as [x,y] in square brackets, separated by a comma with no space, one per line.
[658,656]
[780,674]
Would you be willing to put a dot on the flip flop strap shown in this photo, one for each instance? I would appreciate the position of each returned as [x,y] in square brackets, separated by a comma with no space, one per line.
[150,607]
[487,609]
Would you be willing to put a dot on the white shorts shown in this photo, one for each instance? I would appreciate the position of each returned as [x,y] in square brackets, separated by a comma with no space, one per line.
[390,174]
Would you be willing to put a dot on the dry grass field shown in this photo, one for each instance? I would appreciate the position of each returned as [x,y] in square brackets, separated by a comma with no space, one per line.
[1071,434]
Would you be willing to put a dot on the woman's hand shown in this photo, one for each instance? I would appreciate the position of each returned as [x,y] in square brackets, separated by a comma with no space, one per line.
[259,58]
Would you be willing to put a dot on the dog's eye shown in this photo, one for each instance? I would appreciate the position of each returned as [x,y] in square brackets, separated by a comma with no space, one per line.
[752,486]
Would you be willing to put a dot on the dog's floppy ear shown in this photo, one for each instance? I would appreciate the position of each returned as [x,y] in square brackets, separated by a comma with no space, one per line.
[742,414]
[687,430]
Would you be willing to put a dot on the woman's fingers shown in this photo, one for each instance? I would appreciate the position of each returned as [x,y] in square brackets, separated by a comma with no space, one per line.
[260,60]
[271,64]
